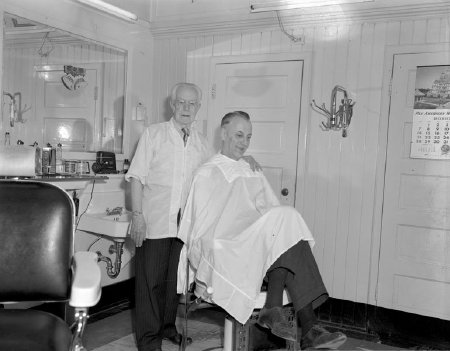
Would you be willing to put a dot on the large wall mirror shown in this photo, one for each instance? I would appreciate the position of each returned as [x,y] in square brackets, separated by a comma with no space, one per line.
[60,88]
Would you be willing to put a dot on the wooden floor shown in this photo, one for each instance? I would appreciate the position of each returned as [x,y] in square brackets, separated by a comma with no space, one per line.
[120,324]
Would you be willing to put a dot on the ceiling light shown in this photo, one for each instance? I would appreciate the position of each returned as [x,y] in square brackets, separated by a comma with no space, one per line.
[111,9]
[275,5]
[29,30]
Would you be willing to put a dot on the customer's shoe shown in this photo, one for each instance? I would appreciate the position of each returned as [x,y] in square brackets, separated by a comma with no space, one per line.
[274,319]
[320,338]
[178,338]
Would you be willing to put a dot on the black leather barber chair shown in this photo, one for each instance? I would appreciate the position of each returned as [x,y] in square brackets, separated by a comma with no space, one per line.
[37,263]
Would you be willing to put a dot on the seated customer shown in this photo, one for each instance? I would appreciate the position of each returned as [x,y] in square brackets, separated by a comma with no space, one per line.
[236,233]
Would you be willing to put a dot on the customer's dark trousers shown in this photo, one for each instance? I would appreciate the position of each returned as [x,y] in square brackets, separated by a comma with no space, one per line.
[304,282]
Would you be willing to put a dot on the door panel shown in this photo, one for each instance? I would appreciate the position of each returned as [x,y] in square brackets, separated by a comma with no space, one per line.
[270,93]
[414,273]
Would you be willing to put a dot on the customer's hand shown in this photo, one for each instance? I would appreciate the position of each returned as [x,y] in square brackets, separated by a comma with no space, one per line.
[254,165]
[138,229]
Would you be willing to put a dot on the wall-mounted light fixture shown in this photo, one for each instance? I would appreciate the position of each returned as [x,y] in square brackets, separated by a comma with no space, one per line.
[275,5]
[338,118]
[111,9]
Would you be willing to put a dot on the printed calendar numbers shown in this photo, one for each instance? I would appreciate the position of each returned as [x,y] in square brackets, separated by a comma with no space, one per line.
[431,134]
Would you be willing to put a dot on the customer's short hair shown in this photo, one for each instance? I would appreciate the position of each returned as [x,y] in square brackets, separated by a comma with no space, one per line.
[230,115]
[173,94]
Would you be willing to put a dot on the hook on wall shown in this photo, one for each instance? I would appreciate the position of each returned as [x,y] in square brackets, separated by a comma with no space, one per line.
[15,108]
[338,117]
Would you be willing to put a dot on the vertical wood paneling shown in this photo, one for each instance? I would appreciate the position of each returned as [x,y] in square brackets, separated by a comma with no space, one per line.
[255,43]
[445,32]
[172,75]
[332,156]
[349,162]
[317,146]
[419,31]
[265,42]
[342,187]
[374,79]
[394,33]
[236,42]
[275,41]
[338,200]
[363,99]
[406,32]
[433,30]
[161,90]
[246,44]
[155,109]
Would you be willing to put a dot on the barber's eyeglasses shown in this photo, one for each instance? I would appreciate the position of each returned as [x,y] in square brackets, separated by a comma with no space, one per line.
[189,104]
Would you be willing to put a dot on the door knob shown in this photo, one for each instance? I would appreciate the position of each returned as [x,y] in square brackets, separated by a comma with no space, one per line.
[284,192]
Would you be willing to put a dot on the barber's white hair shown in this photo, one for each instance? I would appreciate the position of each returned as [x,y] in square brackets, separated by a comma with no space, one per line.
[175,88]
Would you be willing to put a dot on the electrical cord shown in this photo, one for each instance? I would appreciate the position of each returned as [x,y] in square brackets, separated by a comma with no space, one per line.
[294,38]
[92,244]
[87,206]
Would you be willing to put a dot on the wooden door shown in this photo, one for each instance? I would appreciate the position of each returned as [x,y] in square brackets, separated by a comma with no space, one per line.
[270,93]
[414,266]
[71,117]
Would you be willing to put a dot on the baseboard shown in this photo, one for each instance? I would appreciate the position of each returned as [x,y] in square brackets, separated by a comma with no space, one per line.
[115,298]
[390,327]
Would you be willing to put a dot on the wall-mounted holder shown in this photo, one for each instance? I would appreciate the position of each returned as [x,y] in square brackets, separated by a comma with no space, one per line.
[338,118]
[15,111]
[74,77]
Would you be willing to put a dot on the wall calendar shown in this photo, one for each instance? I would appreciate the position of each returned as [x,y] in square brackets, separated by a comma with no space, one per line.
[431,119]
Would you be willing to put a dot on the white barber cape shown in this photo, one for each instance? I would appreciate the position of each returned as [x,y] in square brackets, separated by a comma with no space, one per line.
[234,229]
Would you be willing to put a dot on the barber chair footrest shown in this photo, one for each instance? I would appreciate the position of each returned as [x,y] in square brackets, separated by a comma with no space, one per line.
[251,337]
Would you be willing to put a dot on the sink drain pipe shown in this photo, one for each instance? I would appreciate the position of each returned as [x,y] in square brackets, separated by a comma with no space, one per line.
[113,270]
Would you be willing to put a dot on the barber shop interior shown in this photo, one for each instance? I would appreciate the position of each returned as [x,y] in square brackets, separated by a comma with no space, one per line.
[201,175]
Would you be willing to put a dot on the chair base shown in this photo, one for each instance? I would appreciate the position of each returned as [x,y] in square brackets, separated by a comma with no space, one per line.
[250,336]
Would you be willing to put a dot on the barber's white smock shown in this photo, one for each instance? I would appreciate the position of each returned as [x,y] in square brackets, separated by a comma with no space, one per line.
[235,229]
[165,166]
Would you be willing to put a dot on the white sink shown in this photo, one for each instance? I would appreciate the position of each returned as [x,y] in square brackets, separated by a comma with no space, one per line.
[116,226]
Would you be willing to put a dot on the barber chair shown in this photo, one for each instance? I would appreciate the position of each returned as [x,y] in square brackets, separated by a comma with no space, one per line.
[240,337]
[37,264]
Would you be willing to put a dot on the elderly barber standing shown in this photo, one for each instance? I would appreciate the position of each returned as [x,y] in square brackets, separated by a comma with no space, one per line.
[160,175]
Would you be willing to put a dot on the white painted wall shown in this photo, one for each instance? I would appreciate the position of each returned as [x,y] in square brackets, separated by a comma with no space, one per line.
[339,197]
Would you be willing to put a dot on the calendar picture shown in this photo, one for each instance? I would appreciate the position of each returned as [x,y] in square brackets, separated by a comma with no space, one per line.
[431,119]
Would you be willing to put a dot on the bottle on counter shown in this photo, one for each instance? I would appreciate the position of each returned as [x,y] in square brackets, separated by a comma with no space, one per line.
[38,159]
[126,165]
[48,159]
[7,139]
[59,168]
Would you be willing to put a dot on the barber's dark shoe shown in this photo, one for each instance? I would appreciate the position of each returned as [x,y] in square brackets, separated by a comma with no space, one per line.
[320,338]
[177,339]
[274,319]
